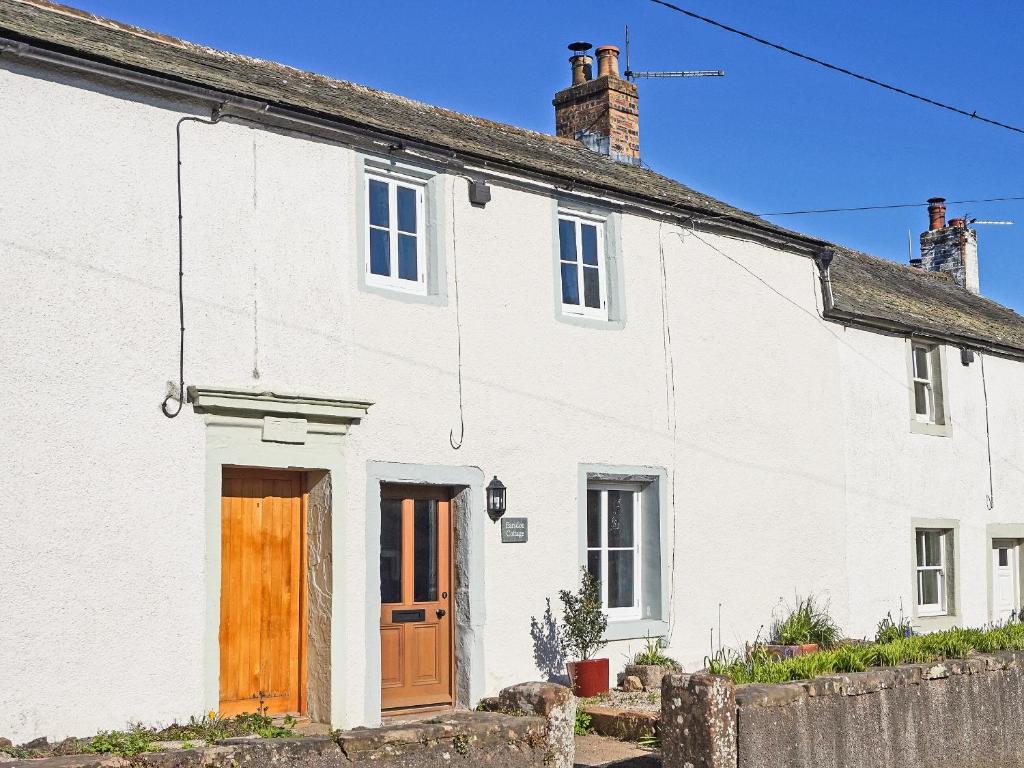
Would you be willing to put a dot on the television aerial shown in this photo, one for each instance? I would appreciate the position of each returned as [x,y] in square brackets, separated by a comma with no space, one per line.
[631,75]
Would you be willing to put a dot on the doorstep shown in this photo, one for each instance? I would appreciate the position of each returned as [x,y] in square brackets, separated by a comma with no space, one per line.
[625,724]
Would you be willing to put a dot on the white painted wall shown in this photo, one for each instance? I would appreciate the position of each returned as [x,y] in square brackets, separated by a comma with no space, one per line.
[793,464]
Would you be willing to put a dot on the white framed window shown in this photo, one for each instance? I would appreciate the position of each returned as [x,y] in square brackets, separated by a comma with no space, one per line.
[614,554]
[926,379]
[395,233]
[582,265]
[932,571]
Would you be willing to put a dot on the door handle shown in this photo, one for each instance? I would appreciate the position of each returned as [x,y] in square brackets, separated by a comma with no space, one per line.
[441,613]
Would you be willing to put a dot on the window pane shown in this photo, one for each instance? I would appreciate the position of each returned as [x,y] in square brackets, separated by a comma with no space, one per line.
[594,564]
[592,287]
[1004,557]
[593,518]
[408,268]
[588,239]
[620,519]
[390,551]
[406,209]
[928,588]
[380,251]
[929,550]
[379,214]
[425,550]
[921,398]
[620,578]
[920,362]
[567,240]
[570,288]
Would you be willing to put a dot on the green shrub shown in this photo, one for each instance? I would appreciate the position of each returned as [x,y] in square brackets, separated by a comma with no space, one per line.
[807,622]
[584,621]
[582,725]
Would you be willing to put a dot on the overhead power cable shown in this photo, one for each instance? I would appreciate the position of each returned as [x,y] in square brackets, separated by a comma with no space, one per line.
[887,207]
[842,70]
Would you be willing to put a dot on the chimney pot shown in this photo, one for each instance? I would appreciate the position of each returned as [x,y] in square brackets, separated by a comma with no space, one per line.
[601,113]
[936,213]
[582,69]
[607,61]
[959,223]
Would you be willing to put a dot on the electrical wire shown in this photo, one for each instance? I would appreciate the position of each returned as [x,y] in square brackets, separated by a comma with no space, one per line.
[842,70]
[458,334]
[180,399]
[671,418]
[991,499]
[888,207]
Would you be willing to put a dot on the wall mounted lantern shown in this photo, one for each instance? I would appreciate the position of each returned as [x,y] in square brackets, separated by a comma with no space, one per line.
[495,499]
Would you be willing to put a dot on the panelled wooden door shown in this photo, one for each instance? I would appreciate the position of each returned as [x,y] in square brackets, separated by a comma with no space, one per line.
[262,595]
[416,606]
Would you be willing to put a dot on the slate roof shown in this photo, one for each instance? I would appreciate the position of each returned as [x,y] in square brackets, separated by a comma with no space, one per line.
[862,285]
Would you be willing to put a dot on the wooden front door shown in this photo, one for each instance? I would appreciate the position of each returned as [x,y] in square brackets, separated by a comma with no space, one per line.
[262,592]
[416,607]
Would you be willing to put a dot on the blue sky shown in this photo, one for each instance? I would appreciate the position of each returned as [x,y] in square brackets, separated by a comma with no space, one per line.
[775,134]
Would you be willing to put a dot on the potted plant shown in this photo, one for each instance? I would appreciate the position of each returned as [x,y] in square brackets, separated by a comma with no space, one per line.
[651,664]
[584,625]
[806,628]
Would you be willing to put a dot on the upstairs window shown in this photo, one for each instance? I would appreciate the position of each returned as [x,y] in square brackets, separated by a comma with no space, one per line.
[933,548]
[926,375]
[613,548]
[396,248]
[581,253]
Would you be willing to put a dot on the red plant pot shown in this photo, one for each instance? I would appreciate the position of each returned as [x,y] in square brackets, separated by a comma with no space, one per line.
[589,678]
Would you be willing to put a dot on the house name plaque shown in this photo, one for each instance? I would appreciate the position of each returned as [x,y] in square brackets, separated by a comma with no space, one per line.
[513,530]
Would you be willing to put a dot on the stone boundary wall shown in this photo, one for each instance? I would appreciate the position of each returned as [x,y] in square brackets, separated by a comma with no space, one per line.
[967,713]
[532,727]
[460,739]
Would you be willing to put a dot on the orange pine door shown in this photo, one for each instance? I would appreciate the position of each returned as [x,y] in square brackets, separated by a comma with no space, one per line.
[262,594]
[415,584]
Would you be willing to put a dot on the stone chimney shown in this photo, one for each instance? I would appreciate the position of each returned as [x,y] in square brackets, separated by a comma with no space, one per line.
[951,248]
[601,112]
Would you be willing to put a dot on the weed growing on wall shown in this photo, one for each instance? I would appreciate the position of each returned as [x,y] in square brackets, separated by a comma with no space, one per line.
[808,621]
[758,666]
[653,655]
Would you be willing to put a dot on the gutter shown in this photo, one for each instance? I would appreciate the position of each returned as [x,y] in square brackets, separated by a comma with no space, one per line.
[228,104]
[823,260]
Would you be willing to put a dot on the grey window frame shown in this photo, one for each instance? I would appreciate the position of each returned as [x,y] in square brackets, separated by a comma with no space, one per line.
[613,287]
[950,617]
[937,379]
[655,544]
[436,192]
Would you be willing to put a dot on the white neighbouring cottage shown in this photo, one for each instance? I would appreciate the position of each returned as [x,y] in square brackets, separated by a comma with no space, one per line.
[735,412]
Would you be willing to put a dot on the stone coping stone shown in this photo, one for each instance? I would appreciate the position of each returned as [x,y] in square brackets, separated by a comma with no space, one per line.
[425,742]
[874,680]
[625,724]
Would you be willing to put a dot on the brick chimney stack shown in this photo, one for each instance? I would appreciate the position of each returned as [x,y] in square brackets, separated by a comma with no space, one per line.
[601,112]
[951,248]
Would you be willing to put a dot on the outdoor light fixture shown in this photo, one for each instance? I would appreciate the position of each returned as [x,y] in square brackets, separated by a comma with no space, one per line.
[495,499]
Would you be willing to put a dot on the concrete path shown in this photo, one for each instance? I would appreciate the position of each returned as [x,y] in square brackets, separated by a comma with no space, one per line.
[592,751]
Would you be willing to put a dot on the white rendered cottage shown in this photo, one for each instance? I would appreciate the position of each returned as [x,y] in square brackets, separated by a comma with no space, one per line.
[387,305]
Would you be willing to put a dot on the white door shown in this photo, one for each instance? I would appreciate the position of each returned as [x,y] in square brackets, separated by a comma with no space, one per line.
[1004,579]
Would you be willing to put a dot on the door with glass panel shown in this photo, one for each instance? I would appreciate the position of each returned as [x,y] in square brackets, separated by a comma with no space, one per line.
[416,608]
[613,547]
[1005,587]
